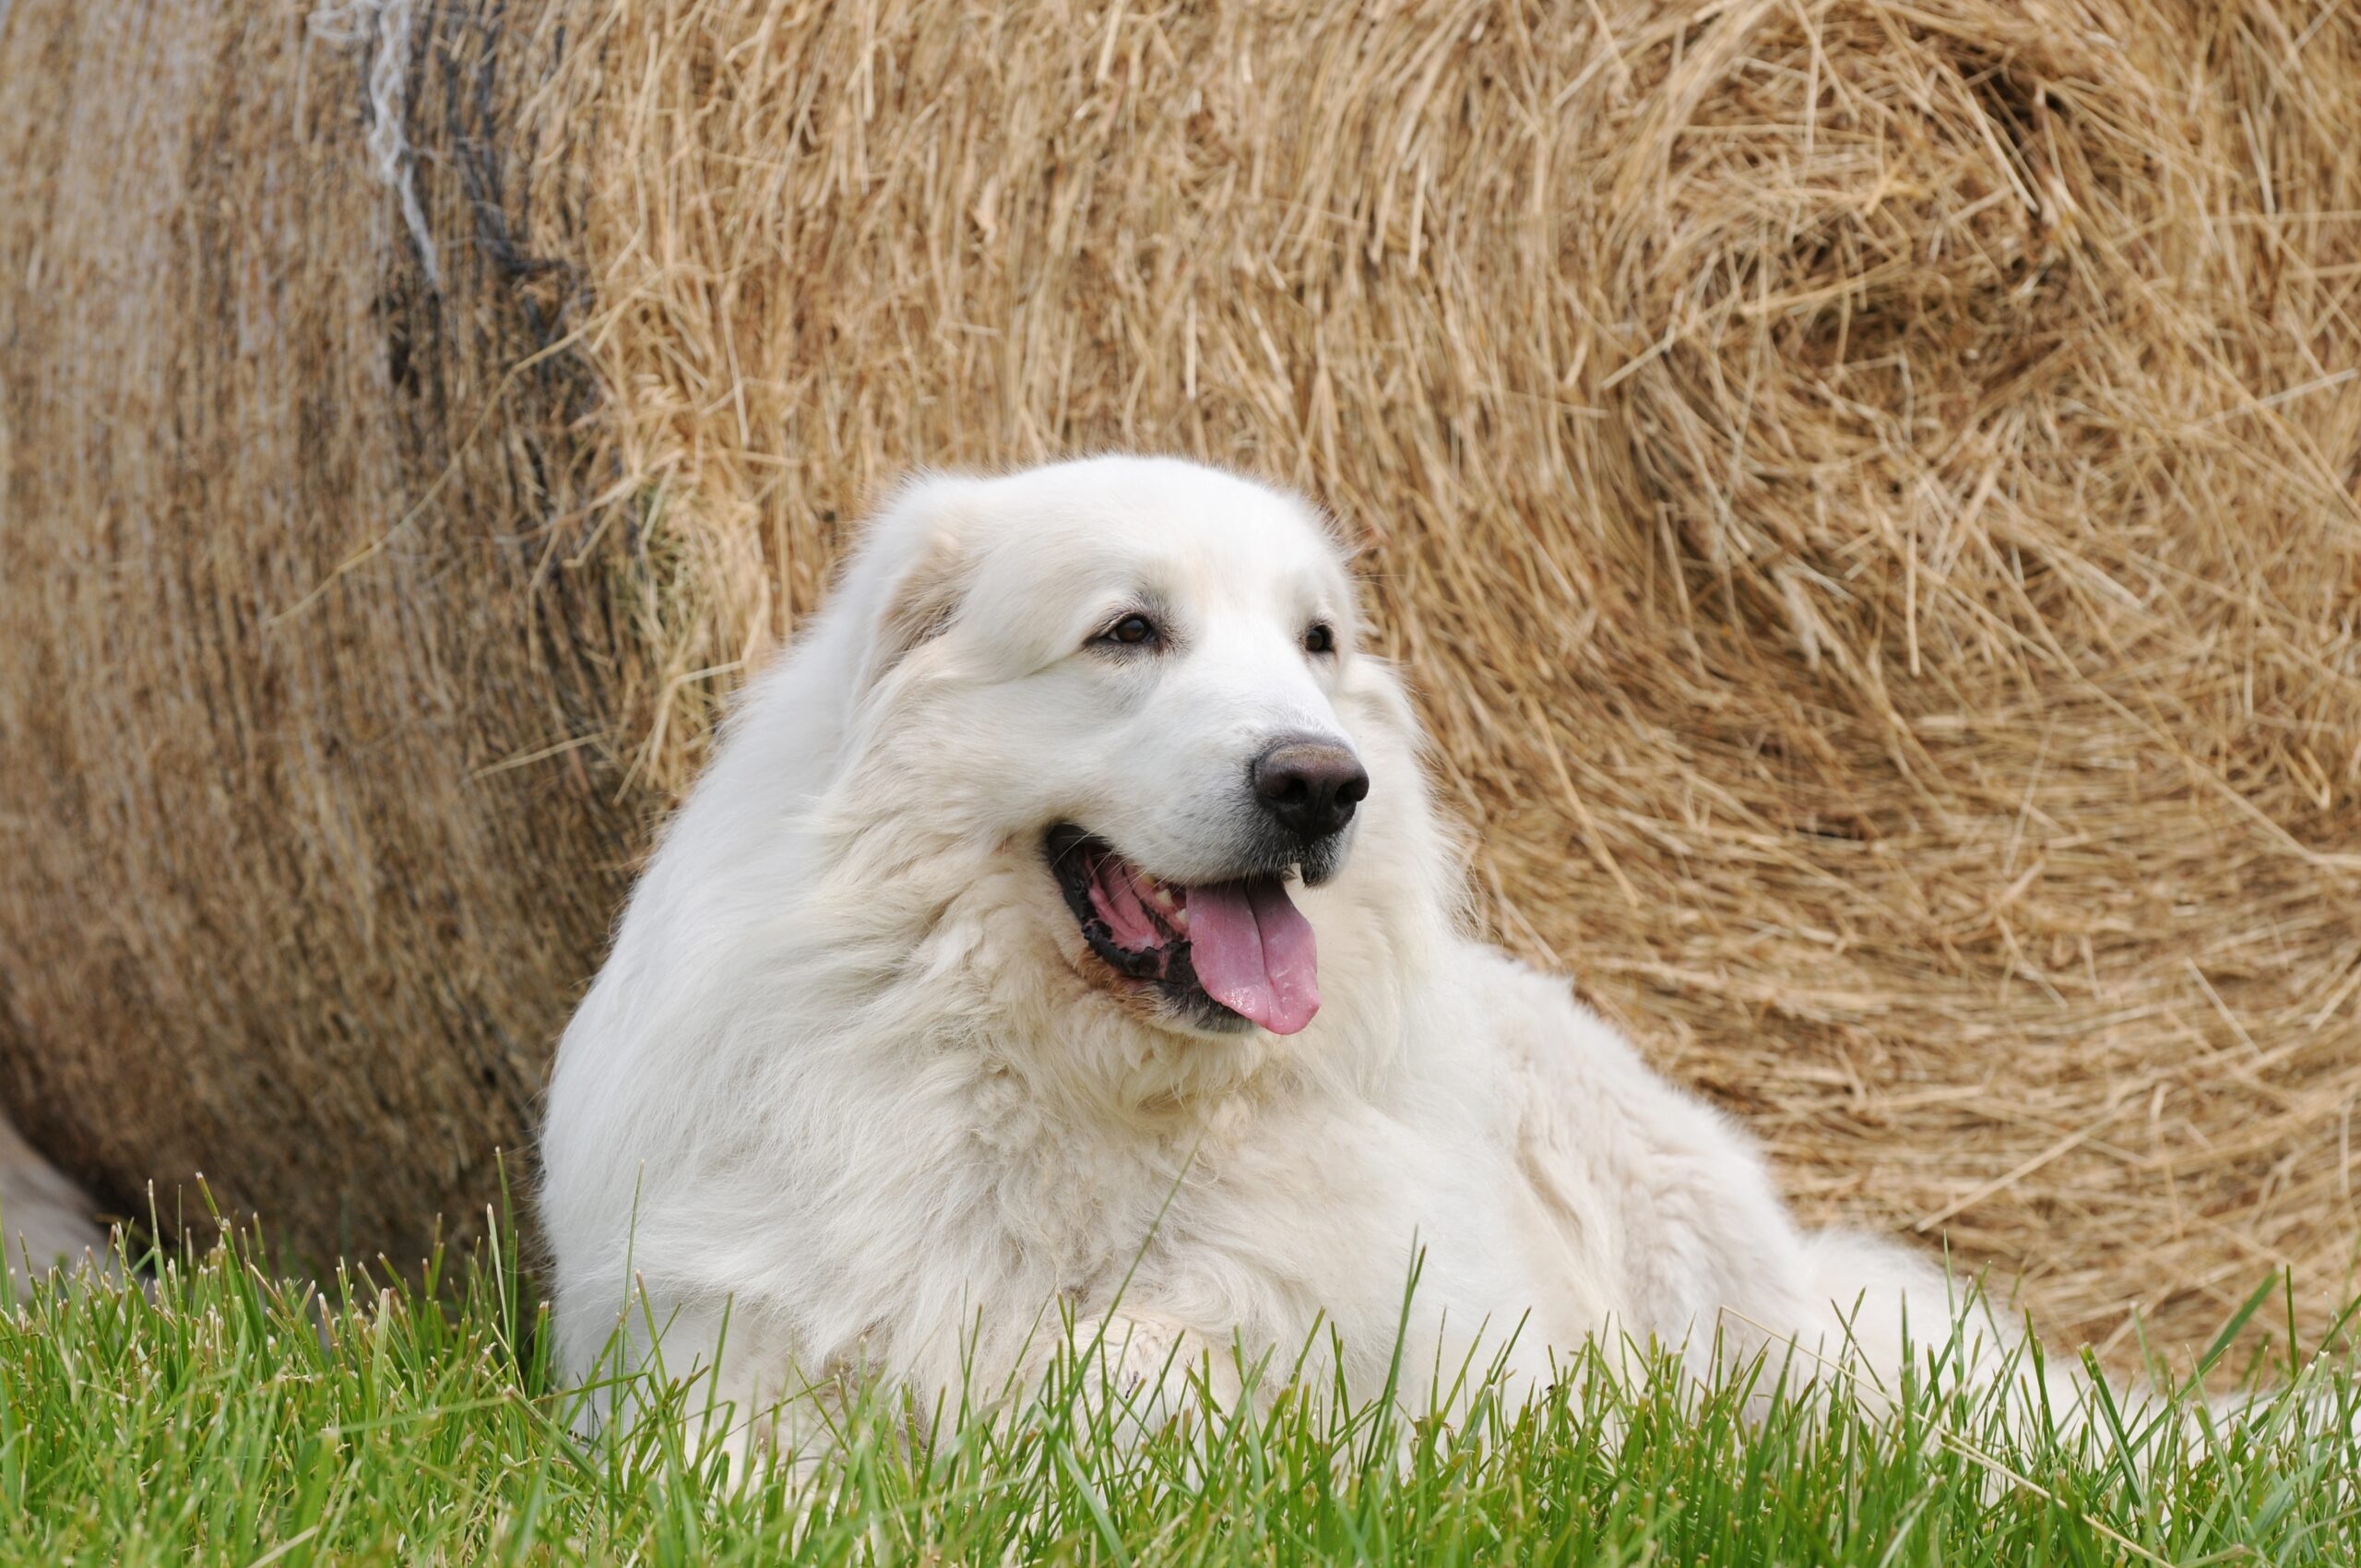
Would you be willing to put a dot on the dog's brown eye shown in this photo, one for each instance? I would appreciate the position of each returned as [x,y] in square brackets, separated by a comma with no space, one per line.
[1319,639]
[1131,630]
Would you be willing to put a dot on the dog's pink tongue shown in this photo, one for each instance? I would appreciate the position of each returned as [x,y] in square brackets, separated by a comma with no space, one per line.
[1252,952]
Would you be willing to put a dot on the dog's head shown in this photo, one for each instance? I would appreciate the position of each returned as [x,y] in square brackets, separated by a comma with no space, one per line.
[1132,693]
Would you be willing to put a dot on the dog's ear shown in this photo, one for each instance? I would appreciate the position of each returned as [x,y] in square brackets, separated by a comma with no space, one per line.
[919,603]
[913,572]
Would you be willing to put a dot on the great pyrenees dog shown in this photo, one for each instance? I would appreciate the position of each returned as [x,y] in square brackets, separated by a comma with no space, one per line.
[1065,938]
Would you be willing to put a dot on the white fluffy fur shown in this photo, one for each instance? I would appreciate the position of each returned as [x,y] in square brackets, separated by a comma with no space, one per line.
[846,1080]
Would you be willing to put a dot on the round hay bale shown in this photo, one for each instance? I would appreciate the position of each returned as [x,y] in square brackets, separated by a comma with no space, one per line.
[274,613]
[1867,490]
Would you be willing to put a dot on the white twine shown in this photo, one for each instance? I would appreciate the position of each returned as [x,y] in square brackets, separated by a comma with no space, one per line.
[348,24]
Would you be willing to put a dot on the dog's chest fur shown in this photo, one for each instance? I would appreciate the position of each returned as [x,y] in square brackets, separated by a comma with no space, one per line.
[1247,1214]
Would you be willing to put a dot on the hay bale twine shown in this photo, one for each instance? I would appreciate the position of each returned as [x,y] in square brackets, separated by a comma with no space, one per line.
[1867,491]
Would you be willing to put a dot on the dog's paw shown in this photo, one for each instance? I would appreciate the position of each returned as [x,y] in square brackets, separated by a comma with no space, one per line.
[1149,1373]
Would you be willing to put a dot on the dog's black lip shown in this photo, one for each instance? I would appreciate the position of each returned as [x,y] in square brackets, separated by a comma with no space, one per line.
[1074,856]
[1072,852]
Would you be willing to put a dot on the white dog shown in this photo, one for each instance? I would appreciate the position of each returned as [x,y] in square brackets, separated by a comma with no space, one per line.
[1064,929]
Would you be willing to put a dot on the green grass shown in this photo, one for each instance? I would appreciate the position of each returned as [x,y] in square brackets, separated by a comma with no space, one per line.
[220,1416]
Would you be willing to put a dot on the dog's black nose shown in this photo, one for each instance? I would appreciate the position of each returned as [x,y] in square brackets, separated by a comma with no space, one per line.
[1310,785]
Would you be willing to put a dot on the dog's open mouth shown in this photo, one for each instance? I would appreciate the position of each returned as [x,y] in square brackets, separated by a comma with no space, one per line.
[1223,952]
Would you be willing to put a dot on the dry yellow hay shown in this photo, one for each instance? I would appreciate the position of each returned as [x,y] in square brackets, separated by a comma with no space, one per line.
[1865,489]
